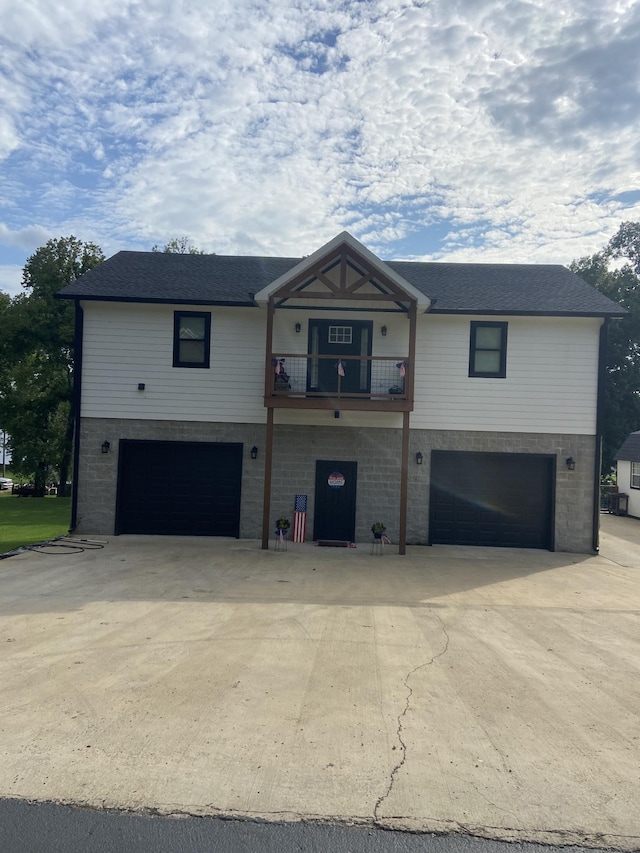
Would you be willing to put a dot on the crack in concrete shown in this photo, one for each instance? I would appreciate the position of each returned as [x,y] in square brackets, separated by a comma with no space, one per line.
[401,716]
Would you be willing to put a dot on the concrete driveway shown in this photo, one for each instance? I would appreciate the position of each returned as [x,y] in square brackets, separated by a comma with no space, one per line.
[488,691]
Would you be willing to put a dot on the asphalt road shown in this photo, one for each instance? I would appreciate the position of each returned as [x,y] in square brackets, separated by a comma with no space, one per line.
[52,828]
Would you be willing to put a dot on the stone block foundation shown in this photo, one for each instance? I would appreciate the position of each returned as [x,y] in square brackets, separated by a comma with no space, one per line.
[376,451]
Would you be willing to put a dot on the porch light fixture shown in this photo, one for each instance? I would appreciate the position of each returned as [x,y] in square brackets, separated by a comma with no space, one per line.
[141,386]
[419,458]
[298,328]
[383,331]
[254,452]
[105,446]
[571,463]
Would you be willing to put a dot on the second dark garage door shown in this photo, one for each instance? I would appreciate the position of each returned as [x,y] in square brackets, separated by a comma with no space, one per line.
[499,499]
[179,487]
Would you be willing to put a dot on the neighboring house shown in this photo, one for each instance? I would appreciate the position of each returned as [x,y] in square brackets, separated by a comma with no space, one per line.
[442,399]
[628,467]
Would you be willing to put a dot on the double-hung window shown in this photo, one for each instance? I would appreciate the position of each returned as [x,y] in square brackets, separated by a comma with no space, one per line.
[488,350]
[191,338]
[635,475]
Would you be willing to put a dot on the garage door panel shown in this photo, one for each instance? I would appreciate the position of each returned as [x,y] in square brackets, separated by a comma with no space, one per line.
[498,499]
[179,488]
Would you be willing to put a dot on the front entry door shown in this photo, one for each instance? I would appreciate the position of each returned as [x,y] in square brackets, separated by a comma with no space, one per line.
[337,338]
[335,504]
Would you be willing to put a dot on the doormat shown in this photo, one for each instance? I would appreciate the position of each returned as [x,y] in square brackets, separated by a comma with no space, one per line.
[333,543]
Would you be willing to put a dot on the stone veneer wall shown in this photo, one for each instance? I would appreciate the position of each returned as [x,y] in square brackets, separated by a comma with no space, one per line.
[377,452]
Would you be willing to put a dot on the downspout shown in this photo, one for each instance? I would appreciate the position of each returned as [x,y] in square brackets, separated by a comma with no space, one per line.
[597,466]
[77,395]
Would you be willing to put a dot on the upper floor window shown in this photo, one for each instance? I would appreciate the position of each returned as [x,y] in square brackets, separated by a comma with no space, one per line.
[488,350]
[191,338]
[635,475]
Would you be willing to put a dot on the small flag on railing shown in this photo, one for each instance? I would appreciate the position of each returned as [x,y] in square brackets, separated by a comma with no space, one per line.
[300,519]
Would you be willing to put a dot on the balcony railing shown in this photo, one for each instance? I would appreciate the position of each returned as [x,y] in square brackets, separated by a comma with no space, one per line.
[297,380]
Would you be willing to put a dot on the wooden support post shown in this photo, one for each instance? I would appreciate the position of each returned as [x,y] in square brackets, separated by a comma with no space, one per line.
[406,416]
[268,456]
[404,478]
[268,464]
[410,384]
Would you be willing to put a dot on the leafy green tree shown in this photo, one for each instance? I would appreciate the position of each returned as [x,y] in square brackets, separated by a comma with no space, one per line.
[36,383]
[621,283]
[179,246]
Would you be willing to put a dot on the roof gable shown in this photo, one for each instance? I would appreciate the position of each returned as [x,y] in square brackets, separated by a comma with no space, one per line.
[343,269]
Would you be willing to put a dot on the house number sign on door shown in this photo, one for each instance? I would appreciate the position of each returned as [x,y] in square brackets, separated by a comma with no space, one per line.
[336,480]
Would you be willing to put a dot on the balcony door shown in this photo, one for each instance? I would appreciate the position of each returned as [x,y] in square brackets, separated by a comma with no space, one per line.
[338,338]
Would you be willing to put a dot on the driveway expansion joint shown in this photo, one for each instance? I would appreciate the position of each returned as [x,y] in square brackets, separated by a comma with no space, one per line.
[403,746]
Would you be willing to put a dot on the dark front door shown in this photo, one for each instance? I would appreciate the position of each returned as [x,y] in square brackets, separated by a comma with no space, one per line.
[337,338]
[499,499]
[179,487]
[335,504]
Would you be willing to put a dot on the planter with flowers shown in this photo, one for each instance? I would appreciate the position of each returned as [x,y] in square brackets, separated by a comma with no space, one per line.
[282,526]
[378,529]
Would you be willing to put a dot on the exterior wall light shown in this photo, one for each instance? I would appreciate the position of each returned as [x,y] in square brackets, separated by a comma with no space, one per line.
[254,452]
[383,331]
[298,328]
[141,386]
[571,463]
[106,446]
[419,458]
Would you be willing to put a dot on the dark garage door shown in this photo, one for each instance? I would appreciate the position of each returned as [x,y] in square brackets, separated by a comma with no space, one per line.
[179,487]
[500,499]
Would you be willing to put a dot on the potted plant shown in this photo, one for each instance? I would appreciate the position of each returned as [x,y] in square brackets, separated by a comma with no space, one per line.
[377,528]
[282,526]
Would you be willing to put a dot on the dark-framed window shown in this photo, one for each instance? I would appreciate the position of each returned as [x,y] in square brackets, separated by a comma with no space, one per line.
[635,475]
[488,349]
[191,338]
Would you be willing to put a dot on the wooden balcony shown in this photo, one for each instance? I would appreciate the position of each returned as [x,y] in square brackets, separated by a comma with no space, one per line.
[344,382]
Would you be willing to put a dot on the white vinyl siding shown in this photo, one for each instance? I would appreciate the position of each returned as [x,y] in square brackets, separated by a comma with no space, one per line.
[550,384]
[125,344]
[625,485]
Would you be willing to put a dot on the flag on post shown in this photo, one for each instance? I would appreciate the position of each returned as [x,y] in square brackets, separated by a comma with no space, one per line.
[300,519]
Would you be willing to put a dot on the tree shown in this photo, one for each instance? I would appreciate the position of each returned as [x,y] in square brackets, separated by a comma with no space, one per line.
[179,246]
[622,285]
[36,384]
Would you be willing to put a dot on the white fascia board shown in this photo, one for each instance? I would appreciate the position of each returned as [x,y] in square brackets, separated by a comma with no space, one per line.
[423,302]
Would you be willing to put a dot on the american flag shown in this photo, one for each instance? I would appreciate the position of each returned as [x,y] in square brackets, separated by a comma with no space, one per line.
[300,519]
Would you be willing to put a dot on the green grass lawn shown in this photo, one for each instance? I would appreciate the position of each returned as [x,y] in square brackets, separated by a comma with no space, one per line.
[24,521]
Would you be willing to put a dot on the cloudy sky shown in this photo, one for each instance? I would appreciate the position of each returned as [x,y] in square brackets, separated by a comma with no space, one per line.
[479,130]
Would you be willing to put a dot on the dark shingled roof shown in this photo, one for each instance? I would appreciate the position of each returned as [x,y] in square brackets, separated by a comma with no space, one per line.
[452,288]
[630,450]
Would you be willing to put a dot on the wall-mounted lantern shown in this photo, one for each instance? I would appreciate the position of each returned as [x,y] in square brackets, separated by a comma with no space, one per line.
[571,463]
[298,328]
[106,446]
[141,386]
[419,458]
[254,452]
[383,331]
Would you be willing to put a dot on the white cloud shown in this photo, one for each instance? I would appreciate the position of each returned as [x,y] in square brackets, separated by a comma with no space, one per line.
[10,279]
[263,126]
[28,238]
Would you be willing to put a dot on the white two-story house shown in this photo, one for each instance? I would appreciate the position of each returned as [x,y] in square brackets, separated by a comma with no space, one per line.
[456,403]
